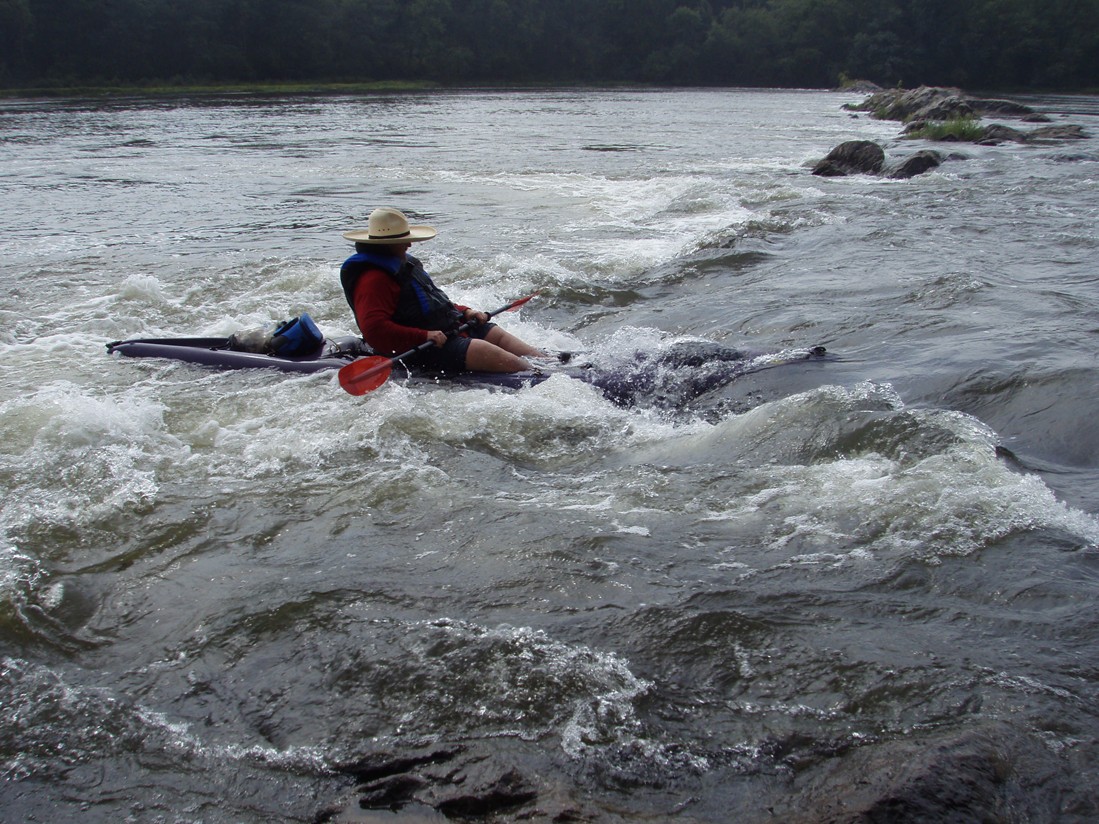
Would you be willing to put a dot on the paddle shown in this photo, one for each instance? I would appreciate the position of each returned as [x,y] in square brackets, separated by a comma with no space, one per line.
[367,374]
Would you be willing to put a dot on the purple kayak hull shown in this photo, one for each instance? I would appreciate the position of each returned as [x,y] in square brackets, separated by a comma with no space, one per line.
[333,354]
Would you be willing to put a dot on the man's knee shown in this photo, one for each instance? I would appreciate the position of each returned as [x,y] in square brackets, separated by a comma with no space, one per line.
[485,356]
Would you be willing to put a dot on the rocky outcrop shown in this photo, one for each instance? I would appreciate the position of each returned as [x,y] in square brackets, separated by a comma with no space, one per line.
[1066,131]
[866,157]
[998,133]
[988,107]
[860,87]
[995,133]
[928,105]
[935,103]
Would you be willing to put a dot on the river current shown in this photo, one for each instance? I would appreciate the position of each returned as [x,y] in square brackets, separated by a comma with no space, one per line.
[218,589]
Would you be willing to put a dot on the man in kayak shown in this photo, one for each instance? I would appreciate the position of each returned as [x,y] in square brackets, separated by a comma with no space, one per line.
[398,307]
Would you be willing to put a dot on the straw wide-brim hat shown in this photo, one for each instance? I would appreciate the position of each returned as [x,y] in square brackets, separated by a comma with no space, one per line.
[387,226]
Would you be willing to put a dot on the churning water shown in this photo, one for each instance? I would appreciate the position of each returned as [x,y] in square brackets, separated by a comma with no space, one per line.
[217,588]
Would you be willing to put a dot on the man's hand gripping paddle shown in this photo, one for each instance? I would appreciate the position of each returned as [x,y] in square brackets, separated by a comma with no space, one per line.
[367,374]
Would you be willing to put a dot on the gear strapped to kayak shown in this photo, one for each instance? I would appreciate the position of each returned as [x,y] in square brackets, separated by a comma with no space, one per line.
[293,338]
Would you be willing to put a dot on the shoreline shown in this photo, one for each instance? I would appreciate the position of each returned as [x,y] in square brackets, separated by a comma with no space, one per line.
[165,90]
[261,88]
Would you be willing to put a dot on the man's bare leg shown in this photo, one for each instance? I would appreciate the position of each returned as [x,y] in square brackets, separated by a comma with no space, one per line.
[510,343]
[482,356]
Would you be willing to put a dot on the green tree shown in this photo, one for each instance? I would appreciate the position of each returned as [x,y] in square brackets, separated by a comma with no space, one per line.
[741,46]
[16,27]
[978,44]
[289,39]
[362,44]
[679,61]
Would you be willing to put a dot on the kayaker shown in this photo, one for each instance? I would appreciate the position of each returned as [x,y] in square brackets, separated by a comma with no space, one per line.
[398,307]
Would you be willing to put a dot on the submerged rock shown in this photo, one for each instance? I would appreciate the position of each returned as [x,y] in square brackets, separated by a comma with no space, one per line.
[992,774]
[675,376]
[460,781]
[988,772]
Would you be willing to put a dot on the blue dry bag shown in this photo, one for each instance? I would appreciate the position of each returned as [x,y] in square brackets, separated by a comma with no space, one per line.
[296,337]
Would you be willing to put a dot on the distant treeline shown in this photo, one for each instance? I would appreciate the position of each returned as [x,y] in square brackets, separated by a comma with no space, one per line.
[978,44]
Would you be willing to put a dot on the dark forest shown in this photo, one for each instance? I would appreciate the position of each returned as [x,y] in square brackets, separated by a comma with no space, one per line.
[978,44]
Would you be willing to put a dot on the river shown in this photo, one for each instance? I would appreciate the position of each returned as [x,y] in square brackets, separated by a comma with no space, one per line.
[222,593]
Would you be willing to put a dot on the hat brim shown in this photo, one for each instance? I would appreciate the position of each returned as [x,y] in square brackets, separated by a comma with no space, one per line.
[415,234]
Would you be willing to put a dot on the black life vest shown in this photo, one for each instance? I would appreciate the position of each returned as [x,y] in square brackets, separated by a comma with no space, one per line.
[421,304]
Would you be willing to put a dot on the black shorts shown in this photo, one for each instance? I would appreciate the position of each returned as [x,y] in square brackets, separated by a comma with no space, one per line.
[451,356]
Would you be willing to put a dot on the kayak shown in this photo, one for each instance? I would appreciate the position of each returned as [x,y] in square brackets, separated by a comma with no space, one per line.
[333,353]
[669,377]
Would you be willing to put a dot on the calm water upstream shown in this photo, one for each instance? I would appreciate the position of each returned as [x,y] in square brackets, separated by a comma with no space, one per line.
[217,588]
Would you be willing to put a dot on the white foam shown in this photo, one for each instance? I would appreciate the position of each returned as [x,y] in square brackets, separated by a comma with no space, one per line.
[145,289]
[74,455]
[653,219]
[19,574]
[930,485]
[558,420]
[833,477]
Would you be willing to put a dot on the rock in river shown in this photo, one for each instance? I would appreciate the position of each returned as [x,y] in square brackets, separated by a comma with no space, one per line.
[850,158]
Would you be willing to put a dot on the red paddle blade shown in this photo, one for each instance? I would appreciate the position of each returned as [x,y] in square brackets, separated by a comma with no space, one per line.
[365,374]
[516,304]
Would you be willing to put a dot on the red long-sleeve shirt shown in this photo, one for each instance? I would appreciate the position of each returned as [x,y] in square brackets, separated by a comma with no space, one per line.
[375,300]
